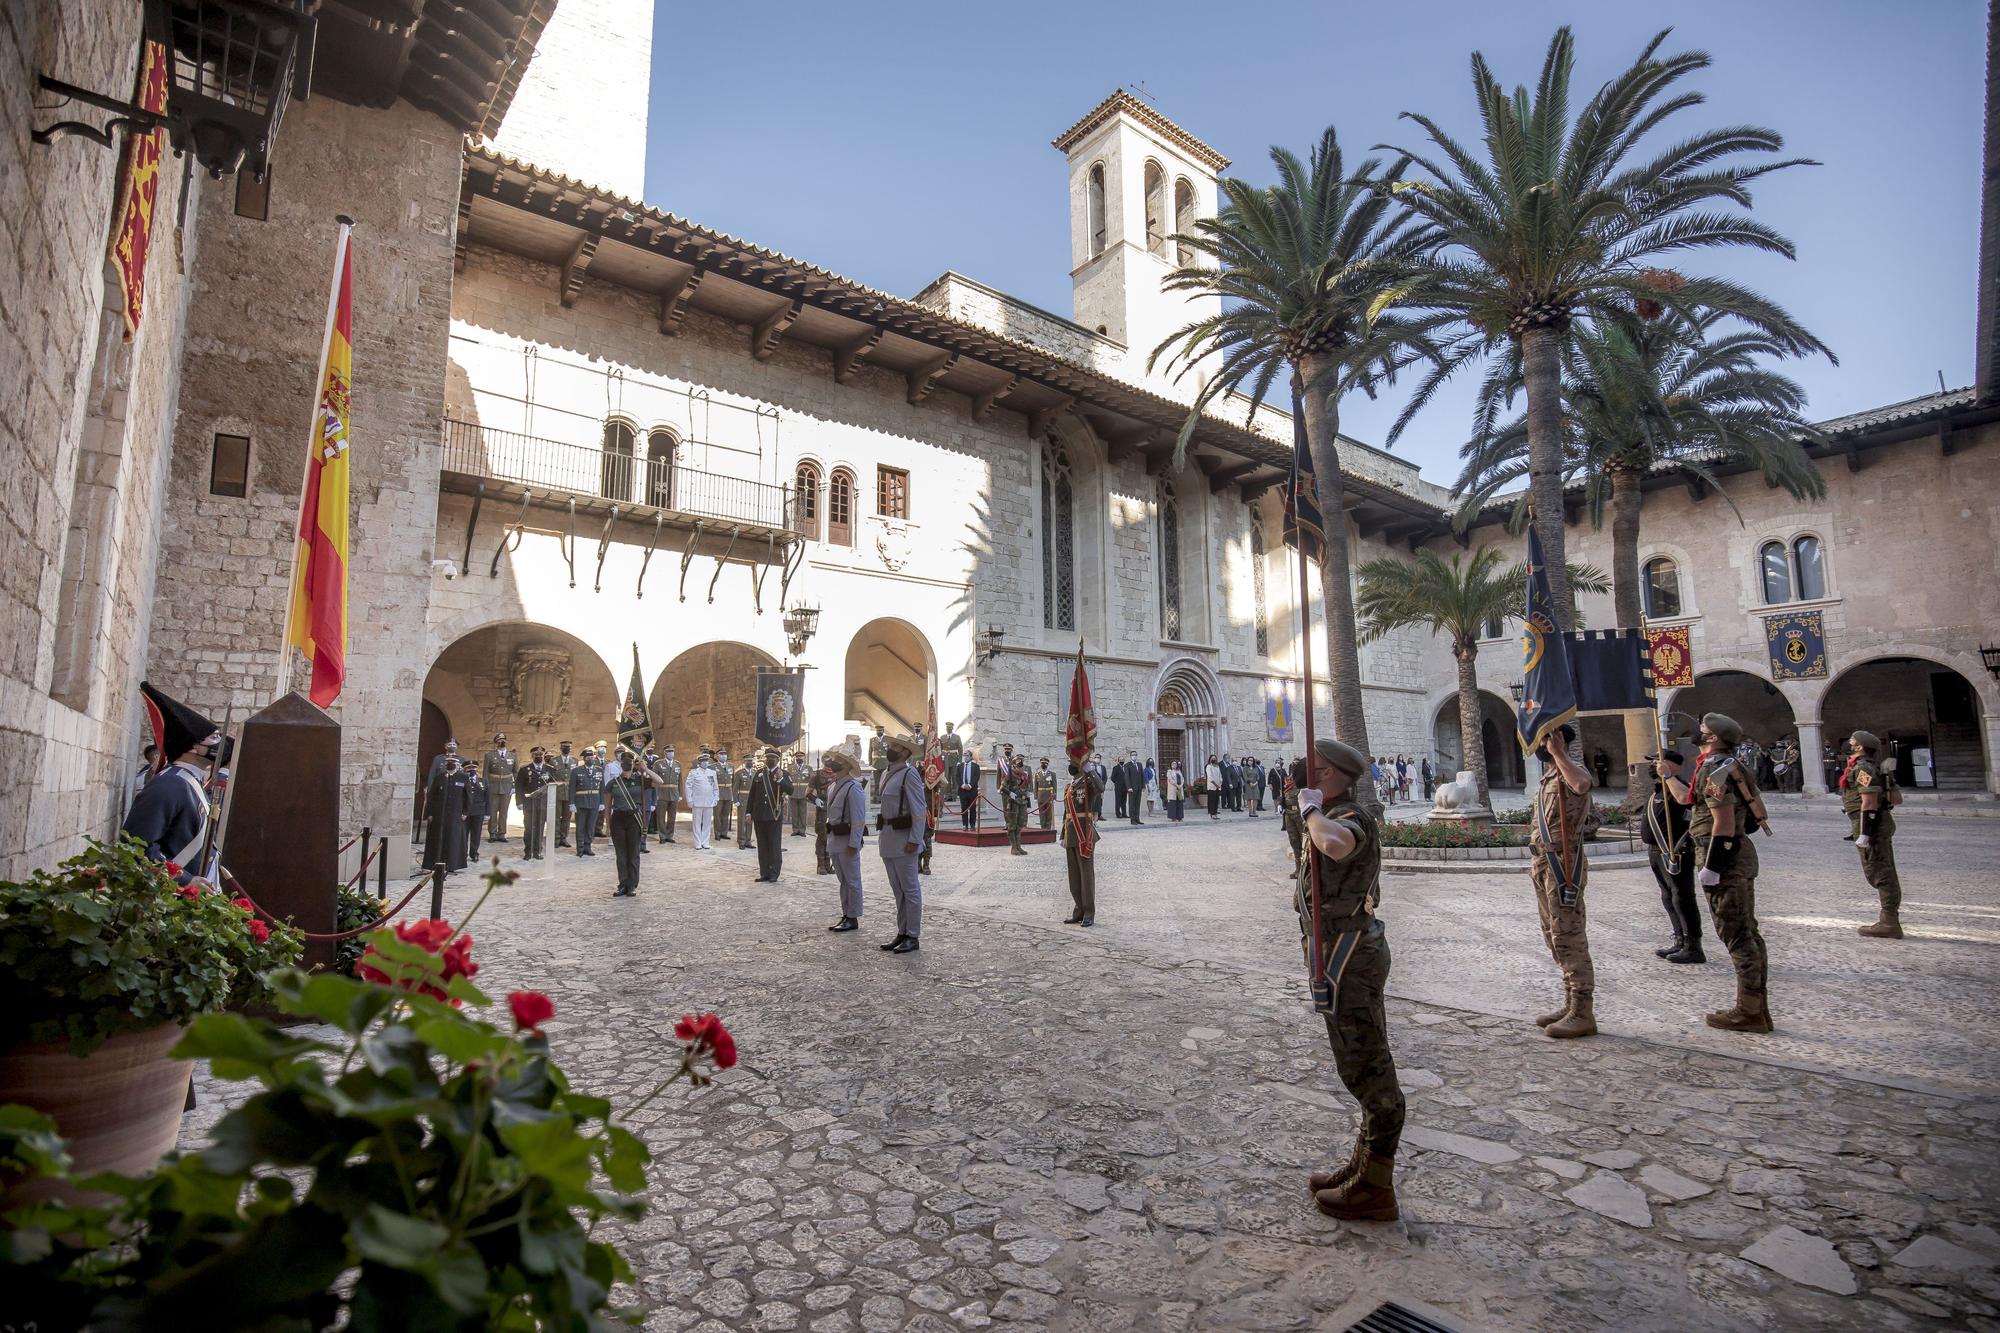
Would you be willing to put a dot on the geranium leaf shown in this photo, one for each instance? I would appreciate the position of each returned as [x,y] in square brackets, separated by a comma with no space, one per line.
[396,1239]
[461,1040]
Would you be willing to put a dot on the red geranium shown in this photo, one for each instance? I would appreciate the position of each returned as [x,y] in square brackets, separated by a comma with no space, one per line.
[173,869]
[259,931]
[243,905]
[706,1037]
[189,891]
[432,937]
[531,1010]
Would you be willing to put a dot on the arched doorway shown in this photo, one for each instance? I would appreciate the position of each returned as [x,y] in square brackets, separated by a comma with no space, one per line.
[706,697]
[1758,706]
[891,675]
[1504,764]
[1926,714]
[1187,716]
[433,730]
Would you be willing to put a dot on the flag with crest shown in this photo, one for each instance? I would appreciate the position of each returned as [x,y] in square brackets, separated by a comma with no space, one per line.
[1305,525]
[1548,688]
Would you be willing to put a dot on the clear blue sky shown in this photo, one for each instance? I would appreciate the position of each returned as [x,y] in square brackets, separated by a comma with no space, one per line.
[889,142]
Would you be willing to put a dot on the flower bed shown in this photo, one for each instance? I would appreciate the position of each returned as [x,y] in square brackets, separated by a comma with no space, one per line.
[1446,834]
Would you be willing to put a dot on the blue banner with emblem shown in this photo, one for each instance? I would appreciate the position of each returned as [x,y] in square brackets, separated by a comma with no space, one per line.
[1796,642]
[1278,710]
[1548,689]
[780,706]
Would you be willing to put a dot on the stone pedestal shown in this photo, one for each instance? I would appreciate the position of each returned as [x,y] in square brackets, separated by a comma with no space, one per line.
[1458,802]
[282,841]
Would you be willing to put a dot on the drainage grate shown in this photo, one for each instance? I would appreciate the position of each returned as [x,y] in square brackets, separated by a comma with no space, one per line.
[1393,1318]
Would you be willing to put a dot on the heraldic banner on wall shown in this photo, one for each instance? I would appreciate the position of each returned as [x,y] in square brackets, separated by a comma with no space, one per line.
[1796,641]
[1673,659]
[1278,711]
[779,714]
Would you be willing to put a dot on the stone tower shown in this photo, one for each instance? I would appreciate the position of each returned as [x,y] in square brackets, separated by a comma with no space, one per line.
[1135,179]
[582,106]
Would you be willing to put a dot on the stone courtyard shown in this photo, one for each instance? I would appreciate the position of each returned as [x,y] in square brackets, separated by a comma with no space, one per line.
[1027,1125]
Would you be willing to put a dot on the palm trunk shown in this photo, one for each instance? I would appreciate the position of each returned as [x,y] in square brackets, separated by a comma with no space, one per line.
[1343,654]
[1541,365]
[1625,501]
[1471,740]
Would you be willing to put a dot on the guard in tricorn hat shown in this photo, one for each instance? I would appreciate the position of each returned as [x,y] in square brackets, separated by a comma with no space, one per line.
[1867,792]
[1348,960]
[170,816]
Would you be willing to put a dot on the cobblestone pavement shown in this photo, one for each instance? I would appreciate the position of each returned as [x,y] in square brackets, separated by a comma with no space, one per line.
[1027,1125]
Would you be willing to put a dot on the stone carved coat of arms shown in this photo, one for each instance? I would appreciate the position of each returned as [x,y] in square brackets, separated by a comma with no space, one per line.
[538,685]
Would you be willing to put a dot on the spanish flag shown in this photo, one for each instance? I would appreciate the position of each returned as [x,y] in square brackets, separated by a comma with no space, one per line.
[318,617]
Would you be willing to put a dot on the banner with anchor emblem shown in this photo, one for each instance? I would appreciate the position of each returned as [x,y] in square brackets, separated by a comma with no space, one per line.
[1796,641]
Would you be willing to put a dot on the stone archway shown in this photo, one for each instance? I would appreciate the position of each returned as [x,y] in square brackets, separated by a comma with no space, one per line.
[1187,722]
[1921,709]
[890,676]
[707,697]
[1760,707]
[1505,766]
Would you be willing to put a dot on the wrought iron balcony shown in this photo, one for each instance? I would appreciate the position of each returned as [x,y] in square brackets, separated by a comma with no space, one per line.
[611,476]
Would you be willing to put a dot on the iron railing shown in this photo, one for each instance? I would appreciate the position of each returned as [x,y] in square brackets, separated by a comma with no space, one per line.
[584,469]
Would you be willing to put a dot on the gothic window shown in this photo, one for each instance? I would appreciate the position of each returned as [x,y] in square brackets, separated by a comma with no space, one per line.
[1183,219]
[660,446]
[1094,206]
[1170,561]
[1793,573]
[1156,210]
[1257,583]
[805,500]
[1777,572]
[1495,627]
[1058,539]
[1662,586]
[1810,564]
[840,508]
[614,474]
[892,492]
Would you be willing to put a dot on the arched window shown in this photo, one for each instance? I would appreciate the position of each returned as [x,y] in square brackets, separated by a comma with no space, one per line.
[1094,206]
[1156,210]
[1662,586]
[1058,539]
[1170,561]
[1777,573]
[660,446]
[614,473]
[840,508]
[1495,627]
[805,500]
[1810,565]
[1257,580]
[1183,219]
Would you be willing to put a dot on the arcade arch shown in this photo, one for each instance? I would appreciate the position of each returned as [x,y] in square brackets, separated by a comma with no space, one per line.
[1758,706]
[1187,720]
[891,676]
[1504,764]
[707,696]
[1916,706]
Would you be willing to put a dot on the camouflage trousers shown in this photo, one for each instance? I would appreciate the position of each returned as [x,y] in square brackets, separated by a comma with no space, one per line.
[1358,1029]
[1878,864]
[1733,905]
[1563,928]
[1017,819]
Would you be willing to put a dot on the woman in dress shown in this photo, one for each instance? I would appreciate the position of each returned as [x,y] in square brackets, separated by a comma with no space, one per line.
[1152,786]
[1176,793]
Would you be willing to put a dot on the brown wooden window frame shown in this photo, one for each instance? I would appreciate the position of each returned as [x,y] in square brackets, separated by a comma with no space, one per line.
[840,508]
[241,485]
[805,500]
[892,492]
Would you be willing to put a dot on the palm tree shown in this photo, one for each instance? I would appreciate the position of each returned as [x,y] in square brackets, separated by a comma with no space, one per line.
[1458,597]
[1306,271]
[1643,397]
[1562,217]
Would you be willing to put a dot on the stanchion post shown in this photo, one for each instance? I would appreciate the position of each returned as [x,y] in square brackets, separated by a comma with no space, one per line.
[382,871]
[437,890]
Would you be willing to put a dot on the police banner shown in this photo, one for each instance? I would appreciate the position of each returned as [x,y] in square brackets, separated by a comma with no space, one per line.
[780,714]
[1548,693]
[1796,642]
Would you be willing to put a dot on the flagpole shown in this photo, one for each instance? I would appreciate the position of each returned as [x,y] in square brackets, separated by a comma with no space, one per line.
[1306,670]
[312,444]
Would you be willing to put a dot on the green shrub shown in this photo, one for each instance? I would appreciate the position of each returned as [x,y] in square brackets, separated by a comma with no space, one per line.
[1445,834]
[354,909]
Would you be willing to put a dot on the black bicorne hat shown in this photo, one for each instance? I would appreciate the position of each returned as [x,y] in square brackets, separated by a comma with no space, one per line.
[176,727]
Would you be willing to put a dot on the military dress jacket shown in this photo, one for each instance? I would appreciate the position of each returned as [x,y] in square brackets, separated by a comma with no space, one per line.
[586,787]
[1078,817]
[765,791]
[530,779]
[668,773]
[497,768]
[560,768]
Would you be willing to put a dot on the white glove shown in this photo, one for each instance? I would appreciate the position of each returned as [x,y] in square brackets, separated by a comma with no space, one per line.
[1707,878]
[1861,841]
[1309,799]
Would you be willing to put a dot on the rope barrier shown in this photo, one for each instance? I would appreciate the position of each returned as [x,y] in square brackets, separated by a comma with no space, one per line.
[236,888]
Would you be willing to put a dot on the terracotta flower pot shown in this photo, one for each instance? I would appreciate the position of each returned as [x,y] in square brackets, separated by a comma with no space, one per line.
[119,1107]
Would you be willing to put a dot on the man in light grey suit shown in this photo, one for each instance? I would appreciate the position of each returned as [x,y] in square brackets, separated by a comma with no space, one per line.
[846,828]
[899,817]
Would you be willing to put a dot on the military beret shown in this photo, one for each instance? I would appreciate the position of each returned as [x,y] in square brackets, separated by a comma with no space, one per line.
[1723,727]
[1341,756]
[1867,740]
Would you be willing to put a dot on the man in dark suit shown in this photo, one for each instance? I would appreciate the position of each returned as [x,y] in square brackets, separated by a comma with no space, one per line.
[764,810]
[1135,785]
[968,789]
[1118,789]
[478,806]
[170,816]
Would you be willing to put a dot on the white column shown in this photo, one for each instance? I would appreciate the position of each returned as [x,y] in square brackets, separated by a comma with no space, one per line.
[1812,757]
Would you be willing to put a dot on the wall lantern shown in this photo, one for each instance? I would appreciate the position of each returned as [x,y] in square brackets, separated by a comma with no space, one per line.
[231,67]
[1991,656]
[986,643]
[801,623]
[1517,689]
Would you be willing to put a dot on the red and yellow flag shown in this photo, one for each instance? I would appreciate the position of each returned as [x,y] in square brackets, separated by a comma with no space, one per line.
[139,189]
[319,573]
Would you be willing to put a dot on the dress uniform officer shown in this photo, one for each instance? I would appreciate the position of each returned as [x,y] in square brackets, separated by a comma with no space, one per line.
[1724,809]
[1014,790]
[1344,848]
[560,768]
[1867,791]
[796,804]
[478,809]
[586,796]
[625,779]
[765,795]
[170,814]
[818,787]
[843,827]
[668,773]
[702,790]
[1079,840]
[740,788]
[1045,794]
[725,792]
[1560,869]
[600,757]
[497,770]
[899,818]
[1670,852]
[952,747]
[878,758]
[531,784]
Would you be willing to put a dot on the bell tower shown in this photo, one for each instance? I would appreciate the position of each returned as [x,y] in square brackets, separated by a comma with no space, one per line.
[581,107]
[1135,179]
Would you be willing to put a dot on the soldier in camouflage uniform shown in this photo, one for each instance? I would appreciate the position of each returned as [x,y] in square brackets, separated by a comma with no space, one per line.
[1560,869]
[1724,809]
[1867,791]
[1344,846]
[1014,787]
[1045,794]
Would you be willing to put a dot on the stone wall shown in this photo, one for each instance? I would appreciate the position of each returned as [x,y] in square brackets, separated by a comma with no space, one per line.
[582,106]
[256,327]
[84,424]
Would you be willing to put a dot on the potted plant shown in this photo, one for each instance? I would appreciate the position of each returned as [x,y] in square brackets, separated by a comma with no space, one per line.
[423,1167]
[103,961]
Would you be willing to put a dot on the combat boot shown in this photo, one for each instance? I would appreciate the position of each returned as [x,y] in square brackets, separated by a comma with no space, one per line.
[1580,1021]
[1888,926]
[1680,943]
[1560,1014]
[1368,1196]
[1746,1015]
[1333,1180]
[1689,952]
